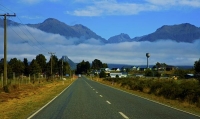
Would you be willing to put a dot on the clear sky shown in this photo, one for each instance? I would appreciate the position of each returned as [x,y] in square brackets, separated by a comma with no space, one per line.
[106,18]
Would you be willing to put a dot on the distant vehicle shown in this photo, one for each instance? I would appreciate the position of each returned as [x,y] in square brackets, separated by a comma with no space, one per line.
[79,75]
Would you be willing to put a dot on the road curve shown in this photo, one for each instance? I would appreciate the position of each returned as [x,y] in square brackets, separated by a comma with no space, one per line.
[87,99]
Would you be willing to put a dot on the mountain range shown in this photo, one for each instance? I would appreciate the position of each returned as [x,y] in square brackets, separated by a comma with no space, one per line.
[184,32]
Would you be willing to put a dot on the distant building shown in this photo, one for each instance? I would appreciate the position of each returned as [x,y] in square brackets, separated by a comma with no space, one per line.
[169,68]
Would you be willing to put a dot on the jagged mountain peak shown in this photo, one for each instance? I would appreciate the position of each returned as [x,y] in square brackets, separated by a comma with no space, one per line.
[119,38]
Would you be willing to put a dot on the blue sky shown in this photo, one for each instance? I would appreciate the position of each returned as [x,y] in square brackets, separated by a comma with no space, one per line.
[106,18]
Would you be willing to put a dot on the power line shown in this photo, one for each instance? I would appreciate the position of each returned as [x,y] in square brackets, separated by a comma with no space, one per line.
[41,49]
[33,36]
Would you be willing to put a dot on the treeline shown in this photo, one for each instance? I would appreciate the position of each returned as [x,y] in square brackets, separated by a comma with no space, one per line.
[85,67]
[36,66]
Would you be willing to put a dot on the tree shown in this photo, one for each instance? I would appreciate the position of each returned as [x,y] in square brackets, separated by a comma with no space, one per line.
[102,74]
[41,60]
[97,64]
[197,69]
[35,67]
[148,72]
[16,66]
[66,67]
[197,66]
[83,67]
[104,65]
[1,65]
[55,66]
[26,67]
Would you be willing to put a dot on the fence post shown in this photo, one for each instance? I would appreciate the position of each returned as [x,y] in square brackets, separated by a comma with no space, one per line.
[29,78]
[14,77]
[34,78]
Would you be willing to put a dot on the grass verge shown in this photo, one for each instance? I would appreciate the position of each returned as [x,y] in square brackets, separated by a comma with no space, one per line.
[27,99]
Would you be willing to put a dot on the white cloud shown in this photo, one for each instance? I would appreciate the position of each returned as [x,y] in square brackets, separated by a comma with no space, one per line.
[112,7]
[134,53]
[37,1]
[190,3]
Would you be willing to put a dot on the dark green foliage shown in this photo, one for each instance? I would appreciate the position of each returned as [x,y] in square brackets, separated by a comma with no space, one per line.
[148,72]
[102,74]
[97,64]
[35,67]
[180,73]
[16,66]
[197,66]
[41,60]
[157,74]
[83,67]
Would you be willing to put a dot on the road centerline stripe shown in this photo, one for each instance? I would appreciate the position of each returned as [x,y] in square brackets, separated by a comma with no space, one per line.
[100,95]
[123,115]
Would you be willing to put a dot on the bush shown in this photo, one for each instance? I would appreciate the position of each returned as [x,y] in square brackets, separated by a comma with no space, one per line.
[170,90]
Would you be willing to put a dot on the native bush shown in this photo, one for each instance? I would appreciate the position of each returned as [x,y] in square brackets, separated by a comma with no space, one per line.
[170,90]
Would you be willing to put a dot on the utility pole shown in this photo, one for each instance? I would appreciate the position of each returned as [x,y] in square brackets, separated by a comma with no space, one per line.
[62,68]
[51,61]
[5,48]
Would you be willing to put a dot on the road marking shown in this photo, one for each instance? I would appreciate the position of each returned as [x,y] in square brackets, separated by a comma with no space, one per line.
[96,92]
[48,102]
[108,102]
[93,89]
[100,95]
[123,115]
[150,100]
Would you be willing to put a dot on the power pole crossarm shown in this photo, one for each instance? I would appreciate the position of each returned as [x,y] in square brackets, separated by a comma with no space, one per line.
[5,48]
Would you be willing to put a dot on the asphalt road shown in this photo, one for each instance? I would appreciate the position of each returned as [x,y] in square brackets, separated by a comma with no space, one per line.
[86,99]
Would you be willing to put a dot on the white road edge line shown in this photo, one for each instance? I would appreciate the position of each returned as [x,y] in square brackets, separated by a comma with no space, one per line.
[123,115]
[108,102]
[48,103]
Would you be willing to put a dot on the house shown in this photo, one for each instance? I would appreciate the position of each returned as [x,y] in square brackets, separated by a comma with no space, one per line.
[114,75]
[115,69]
[169,68]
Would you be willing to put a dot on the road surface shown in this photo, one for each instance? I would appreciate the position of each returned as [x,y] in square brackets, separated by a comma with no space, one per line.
[87,99]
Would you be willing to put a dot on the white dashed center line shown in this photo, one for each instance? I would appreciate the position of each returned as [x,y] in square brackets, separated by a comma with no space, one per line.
[123,115]
[108,102]
[96,92]
[100,95]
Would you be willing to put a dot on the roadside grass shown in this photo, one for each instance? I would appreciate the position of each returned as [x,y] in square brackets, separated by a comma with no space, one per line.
[23,101]
[181,105]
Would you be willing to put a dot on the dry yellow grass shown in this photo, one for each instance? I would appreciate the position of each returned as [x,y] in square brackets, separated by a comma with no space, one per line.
[23,101]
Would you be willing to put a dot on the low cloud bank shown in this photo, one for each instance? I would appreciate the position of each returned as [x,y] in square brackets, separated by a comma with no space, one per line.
[23,44]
